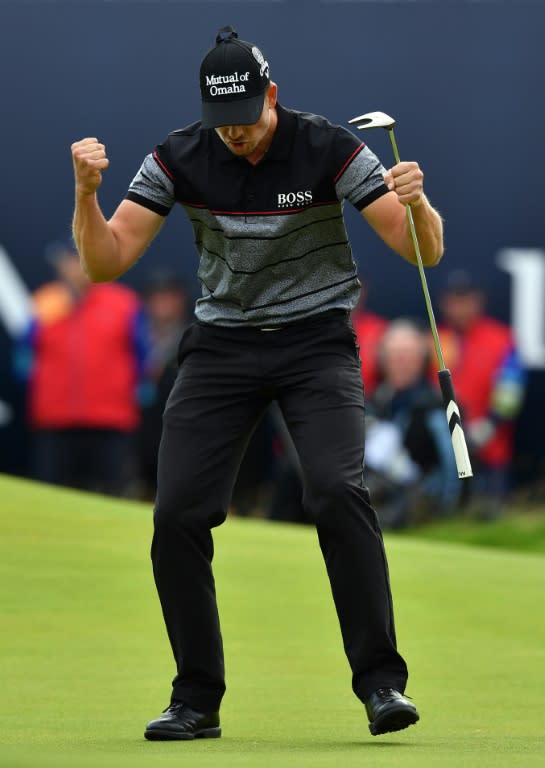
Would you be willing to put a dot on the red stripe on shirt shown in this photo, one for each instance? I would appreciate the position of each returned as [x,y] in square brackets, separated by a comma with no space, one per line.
[279,212]
[163,166]
[345,166]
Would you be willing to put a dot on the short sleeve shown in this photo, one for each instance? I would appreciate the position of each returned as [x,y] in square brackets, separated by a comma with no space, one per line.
[360,178]
[153,186]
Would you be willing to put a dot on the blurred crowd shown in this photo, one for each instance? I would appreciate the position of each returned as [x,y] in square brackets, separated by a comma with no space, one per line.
[97,362]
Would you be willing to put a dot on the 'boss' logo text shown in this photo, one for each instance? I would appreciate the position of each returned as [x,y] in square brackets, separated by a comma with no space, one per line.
[289,199]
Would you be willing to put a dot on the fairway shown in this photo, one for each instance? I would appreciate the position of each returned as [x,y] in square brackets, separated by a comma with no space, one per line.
[85,660]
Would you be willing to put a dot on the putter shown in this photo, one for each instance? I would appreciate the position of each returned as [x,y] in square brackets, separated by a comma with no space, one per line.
[461,455]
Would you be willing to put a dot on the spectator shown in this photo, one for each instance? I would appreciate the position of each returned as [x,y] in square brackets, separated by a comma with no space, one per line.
[489,382]
[410,464]
[80,357]
[166,305]
[369,329]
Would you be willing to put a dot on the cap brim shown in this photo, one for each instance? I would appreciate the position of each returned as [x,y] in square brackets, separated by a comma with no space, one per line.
[235,112]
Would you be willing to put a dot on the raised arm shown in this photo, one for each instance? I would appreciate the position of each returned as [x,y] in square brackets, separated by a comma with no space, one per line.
[388,217]
[107,248]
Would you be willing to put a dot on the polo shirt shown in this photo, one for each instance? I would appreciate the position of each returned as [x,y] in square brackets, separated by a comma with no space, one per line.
[271,237]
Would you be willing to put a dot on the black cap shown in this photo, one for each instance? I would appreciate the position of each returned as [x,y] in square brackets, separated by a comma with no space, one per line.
[234,77]
[159,282]
[460,283]
[59,250]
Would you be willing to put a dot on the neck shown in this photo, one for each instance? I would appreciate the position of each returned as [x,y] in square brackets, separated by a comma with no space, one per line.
[262,148]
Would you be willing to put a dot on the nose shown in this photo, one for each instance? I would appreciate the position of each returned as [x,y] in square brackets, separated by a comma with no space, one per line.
[235,131]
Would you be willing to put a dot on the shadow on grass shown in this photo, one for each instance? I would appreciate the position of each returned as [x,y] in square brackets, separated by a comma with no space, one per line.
[232,744]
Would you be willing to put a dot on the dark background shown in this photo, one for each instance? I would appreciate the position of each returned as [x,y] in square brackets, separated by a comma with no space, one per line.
[463,79]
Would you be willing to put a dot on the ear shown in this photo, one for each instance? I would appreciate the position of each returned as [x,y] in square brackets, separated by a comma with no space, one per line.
[272,94]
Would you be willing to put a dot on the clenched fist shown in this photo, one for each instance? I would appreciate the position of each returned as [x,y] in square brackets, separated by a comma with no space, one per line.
[407,181]
[89,158]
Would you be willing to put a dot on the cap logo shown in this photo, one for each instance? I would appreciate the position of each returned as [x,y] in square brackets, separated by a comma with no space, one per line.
[222,85]
[263,65]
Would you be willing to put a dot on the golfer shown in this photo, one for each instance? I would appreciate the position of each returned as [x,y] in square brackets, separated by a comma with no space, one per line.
[264,189]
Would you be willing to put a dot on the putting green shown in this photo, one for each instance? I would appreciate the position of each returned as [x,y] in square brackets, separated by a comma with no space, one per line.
[85,662]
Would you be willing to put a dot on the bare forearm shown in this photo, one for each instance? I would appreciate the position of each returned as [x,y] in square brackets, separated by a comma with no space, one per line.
[96,242]
[107,248]
[429,230]
[406,180]
[95,239]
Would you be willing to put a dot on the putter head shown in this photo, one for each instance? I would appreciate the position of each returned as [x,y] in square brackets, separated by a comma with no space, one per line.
[373,120]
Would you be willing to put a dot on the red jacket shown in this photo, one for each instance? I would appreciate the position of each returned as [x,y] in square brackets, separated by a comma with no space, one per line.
[84,367]
[475,359]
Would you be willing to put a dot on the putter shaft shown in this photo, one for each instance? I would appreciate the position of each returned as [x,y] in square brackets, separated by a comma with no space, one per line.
[461,455]
[463,463]
[420,264]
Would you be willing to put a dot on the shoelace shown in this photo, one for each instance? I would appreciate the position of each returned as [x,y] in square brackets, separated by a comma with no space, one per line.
[389,691]
[385,691]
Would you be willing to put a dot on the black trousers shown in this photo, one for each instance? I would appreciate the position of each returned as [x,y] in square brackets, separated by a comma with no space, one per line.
[226,379]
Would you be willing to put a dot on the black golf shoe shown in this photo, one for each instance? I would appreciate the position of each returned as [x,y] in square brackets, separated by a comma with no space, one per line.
[388,710]
[180,722]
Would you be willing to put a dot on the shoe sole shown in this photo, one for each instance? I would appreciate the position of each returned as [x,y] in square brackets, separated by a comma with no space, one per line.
[394,720]
[157,734]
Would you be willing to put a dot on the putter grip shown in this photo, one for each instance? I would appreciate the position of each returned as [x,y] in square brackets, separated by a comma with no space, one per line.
[457,436]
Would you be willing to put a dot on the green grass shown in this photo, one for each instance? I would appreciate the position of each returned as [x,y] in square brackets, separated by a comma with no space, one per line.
[84,661]
[521,529]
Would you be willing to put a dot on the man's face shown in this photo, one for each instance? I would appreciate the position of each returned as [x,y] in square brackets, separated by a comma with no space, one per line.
[462,310]
[69,270]
[245,140]
[166,306]
[404,357]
